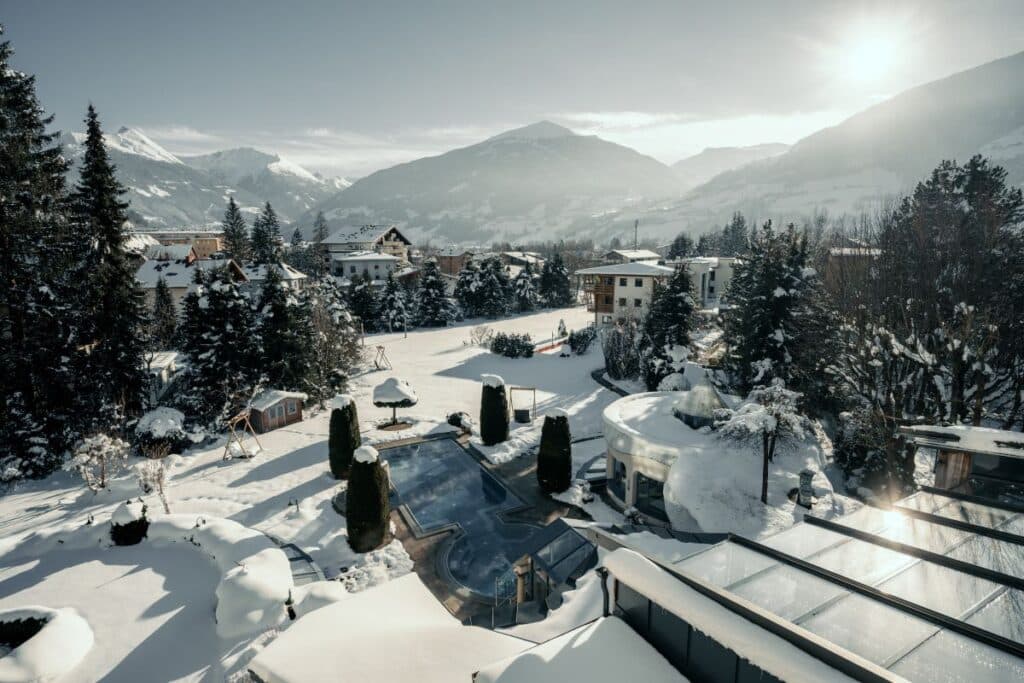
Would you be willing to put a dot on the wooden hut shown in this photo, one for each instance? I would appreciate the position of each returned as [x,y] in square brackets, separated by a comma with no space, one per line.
[973,459]
[274,408]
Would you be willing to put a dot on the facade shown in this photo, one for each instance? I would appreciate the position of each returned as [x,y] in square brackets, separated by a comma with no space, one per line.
[367,263]
[618,292]
[273,408]
[711,276]
[162,369]
[185,253]
[632,256]
[205,242]
[384,239]
[452,259]
[290,277]
[178,274]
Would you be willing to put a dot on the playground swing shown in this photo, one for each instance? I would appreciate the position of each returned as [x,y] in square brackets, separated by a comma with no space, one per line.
[522,415]
[381,361]
[235,447]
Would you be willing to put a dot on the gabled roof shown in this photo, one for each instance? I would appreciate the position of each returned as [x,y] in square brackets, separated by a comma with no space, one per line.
[628,269]
[178,273]
[636,254]
[169,252]
[258,273]
[363,256]
[269,397]
[363,234]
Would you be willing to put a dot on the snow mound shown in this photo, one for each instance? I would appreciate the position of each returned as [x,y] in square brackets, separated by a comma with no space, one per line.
[492,381]
[63,641]
[366,454]
[128,512]
[160,422]
[342,401]
[557,413]
[394,392]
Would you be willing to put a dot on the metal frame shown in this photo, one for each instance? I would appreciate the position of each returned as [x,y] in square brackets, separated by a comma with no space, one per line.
[953,523]
[969,498]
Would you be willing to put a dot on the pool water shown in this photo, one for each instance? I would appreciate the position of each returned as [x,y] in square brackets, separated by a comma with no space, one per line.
[444,487]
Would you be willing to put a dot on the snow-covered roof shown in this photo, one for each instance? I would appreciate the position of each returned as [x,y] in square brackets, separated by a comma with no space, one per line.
[701,401]
[168,252]
[854,251]
[603,651]
[396,632]
[269,397]
[258,273]
[363,256]
[364,233]
[176,273]
[394,391]
[636,254]
[138,243]
[969,438]
[528,256]
[628,269]
[453,250]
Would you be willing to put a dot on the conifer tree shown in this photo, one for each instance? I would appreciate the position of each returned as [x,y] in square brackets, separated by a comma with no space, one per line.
[394,314]
[317,261]
[682,246]
[367,506]
[469,289]
[554,457]
[362,301]
[334,347]
[113,370]
[284,335]
[555,287]
[496,288]
[526,297]
[343,436]
[296,237]
[433,307]
[164,319]
[319,228]
[236,233]
[667,326]
[266,236]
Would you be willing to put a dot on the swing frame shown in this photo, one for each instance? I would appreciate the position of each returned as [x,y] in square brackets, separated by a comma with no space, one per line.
[512,403]
[381,360]
[240,418]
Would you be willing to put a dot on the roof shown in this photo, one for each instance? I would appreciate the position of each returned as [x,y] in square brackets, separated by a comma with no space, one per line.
[854,251]
[603,651]
[176,273]
[396,632]
[969,438]
[258,273]
[363,256]
[453,250]
[528,256]
[629,269]
[269,397]
[363,233]
[137,243]
[636,254]
[168,252]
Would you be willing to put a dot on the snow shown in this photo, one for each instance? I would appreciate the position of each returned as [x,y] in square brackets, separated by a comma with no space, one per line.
[606,650]
[557,413]
[394,392]
[285,167]
[770,652]
[132,141]
[127,512]
[366,454]
[396,632]
[493,381]
[160,422]
[342,401]
[58,647]
[969,438]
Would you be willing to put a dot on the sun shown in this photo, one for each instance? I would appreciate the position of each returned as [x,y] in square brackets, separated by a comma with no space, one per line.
[868,55]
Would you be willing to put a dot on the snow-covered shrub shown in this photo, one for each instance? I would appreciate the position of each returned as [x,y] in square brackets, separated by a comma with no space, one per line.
[493,411]
[97,459]
[481,335]
[462,421]
[554,458]
[129,524]
[580,340]
[859,448]
[344,435]
[621,351]
[366,501]
[512,345]
[152,476]
[161,431]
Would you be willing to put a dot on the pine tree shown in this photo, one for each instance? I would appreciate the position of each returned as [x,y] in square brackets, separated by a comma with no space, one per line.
[433,307]
[266,236]
[114,304]
[317,260]
[469,289]
[285,333]
[362,301]
[495,294]
[164,320]
[393,312]
[319,228]
[526,298]
[667,326]
[334,347]
[344,436]
[682,246]
[236,233]
[296,238]
[555,287]
[493,412]
[367,506]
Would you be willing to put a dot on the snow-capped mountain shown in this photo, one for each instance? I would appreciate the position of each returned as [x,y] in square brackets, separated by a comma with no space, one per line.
[165,190]
[700,168]
[537,182]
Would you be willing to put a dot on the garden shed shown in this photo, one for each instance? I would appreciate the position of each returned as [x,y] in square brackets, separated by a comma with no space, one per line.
[274,408]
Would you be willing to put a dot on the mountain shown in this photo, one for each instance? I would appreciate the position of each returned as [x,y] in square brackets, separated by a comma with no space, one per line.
[539,181]
[170,191]
[700,168]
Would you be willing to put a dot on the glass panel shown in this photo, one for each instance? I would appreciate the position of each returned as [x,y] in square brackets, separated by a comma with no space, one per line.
[787,591]
[952,658]
[871,629]
[965,511]
[725,564]
[617,485]
[650,497]
[939,588]
[1004,615]
[982,551]
[869,519]
[920,534]
[803,540]
[557,549]
[862,561]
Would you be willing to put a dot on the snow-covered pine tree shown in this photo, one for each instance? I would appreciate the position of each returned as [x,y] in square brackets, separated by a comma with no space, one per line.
[335,343]
[317,264]
[681,247]
[495,296]
[433,307]
[266,236]
[163,323]
[236,233]
[362,301]
[285,335]
[555,287]
[469,289]
[524,286]
[113,370]
[667,326]
[296,238]
[394,314]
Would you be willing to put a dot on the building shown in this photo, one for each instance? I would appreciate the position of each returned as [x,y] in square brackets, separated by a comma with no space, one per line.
[452,259]
[523,259]
[711,277]
[205,242]
[617,292]
[255,274]
[372,264]
[632,256]
[974,460]
[274,408]
[162,369]
[384,239]
[185,253]
[179,275]
[848,264]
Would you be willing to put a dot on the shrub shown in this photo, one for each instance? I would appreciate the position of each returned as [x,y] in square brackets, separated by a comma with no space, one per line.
[344,436]
[493,411]
[554,459]
[512,345]
[161,431]
[366,502]
[580,340]
[129,524]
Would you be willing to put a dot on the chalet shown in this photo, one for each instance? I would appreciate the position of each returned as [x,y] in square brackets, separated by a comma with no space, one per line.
[178,274]
[632,256]
[848,262]
[205,242]
[452,259]
[973,460]
[619,291]
[185,253]
[384,239]
[255,274]
[367,263]
[274,408]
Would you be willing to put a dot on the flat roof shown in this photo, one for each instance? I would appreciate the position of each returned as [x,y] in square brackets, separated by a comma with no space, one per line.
[968,438]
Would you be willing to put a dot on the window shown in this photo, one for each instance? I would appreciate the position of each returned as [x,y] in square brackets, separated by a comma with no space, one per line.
[638,302]
[622,301]
[376,266]
[607,299]
[617,484]
[650,497]
[711,276]
[293,407]
[610,281]
[352,269]
[622,282]
[638,282]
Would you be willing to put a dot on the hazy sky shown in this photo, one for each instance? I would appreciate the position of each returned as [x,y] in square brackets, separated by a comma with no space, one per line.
[351,87]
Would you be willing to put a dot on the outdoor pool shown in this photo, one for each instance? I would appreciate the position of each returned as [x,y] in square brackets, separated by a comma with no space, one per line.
[443,487]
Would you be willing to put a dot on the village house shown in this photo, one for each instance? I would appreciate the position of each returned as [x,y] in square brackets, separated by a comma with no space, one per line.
[162,369]
[372,264]
[710,275]
[382,239]
[452,259]
[274,408]
[205,242]
[620,291]
[178,274]
[632,256]
[291,278]
[523,259]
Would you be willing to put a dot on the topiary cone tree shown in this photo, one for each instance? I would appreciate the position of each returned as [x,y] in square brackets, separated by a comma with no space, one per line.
[366,501]
[554,459]
[493,411]
[344,436]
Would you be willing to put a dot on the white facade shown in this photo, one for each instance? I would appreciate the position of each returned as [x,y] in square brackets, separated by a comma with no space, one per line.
[711,277]
[364,263]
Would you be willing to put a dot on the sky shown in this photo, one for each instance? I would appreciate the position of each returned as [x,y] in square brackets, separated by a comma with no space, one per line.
[348,88]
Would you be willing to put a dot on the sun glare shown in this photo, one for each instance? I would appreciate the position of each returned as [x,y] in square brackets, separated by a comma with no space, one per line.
[868,55]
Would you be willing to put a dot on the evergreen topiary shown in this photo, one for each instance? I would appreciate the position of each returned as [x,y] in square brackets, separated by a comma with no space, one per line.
[344,435]
[493,411]
[554,459]
[366,502]
[129,524]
